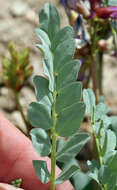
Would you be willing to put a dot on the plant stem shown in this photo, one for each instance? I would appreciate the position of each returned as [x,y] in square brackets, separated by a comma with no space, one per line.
[100,72]
[53,161]
[104,187]
[54,136]
[93,65]
[97,146]
[21,111]
[94,75]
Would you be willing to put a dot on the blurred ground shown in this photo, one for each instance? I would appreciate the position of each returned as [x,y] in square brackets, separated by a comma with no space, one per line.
[18,18]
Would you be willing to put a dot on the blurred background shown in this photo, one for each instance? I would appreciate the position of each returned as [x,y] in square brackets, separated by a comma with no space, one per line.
[18,19]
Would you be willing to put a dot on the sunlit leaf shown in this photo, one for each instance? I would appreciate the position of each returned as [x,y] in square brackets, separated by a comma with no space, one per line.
[43,94]
[41,141]
[43,36]
[41,170]
[101,109]
[89,100]
[49,20]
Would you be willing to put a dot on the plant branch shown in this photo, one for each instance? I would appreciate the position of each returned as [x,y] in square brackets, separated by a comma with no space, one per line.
[94,75]
[100,158]
[97,145]
[100,72]
[53,153]
[21,111]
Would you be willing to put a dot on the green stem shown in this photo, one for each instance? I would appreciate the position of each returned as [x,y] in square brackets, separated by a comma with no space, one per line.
[97,146]
[104,187]
[54,136]
[21,111]
[53,161]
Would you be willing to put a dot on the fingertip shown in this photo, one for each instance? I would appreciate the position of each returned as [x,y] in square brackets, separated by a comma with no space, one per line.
[4,186]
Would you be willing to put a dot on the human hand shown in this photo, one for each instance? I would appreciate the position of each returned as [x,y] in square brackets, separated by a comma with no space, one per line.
[16,155]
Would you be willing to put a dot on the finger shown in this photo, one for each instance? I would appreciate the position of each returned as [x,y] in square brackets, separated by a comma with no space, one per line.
[16,155]
[4,186]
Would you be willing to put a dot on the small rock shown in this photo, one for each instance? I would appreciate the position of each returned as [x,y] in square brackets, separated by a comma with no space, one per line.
[7,103]
[26,97]
[4,91]
[19,8]
[31,17]
[17,120]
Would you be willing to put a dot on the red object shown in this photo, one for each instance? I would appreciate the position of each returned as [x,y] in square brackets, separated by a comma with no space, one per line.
[107,12]
[94,4]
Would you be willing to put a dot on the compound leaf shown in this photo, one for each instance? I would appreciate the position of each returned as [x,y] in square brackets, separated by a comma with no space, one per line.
[69,120]
[39,116]
[94,169]
[72,147]
[66,174]
[63,53]
[63,35]
[49,20]
[47,64]
[68,96]
[43,94]
[41,141]
[101,109]
[103,174]
[68,74]
[89,99]
[43,37]
[41,170]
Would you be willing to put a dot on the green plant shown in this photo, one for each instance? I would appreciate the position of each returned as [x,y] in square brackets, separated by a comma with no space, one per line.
[103,170]
[59,110]
[15,71]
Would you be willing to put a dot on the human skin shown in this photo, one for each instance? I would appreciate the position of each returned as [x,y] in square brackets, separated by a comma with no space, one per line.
[16,155]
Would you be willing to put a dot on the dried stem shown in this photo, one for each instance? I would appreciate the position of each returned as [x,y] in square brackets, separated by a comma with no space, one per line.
[19,107]
[94,75]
